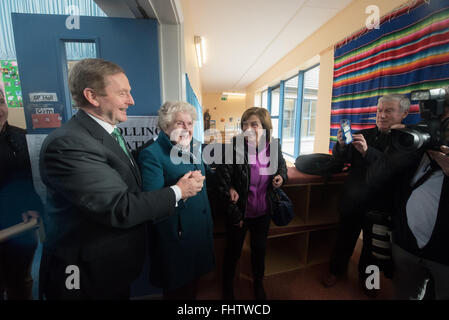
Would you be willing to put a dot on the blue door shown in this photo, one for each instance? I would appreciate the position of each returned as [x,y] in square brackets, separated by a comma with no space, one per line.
[43,48]
[41,42]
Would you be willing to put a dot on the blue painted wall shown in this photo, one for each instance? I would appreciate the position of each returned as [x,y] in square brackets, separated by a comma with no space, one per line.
[131,43]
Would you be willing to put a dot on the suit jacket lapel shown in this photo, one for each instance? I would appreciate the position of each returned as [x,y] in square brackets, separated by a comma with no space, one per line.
[108,141]
[135,169]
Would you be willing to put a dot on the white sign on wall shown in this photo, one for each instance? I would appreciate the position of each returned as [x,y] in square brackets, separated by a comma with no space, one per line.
[139,129]
[43,97]
[136,130]
[34,142]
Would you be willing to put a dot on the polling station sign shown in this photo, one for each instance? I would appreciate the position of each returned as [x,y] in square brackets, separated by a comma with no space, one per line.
[139,129]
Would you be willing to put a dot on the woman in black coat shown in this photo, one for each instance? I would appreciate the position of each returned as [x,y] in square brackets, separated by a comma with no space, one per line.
[18,202]
[246,186]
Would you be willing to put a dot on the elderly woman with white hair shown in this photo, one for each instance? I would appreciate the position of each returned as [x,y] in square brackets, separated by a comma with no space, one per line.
[181,246]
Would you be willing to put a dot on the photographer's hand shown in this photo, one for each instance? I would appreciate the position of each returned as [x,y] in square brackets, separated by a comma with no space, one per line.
[441,158]
[360,144]
[340,139]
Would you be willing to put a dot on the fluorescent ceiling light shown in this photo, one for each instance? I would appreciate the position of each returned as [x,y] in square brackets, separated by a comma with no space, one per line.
[200,49]
[234,94]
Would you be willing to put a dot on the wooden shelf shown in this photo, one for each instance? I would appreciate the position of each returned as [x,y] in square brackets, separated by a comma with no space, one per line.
[284,254]
[296,223]
[308,239]
[323,207]
[299,195]
[321,216]
[310,236]
[321,243]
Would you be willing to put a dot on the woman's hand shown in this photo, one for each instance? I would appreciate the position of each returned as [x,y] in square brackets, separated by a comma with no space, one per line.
[277,181]
[28,215]
[240,224]
[190,184]
[234,195]
[198,176]
[234,198]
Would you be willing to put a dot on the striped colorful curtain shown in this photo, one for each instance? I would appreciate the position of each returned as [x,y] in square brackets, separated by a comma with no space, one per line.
[410,51]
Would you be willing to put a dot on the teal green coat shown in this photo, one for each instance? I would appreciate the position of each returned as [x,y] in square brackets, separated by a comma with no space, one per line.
[181,246]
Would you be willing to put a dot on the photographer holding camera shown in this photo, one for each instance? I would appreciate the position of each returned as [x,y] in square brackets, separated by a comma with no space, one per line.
[417,167]
[357,199]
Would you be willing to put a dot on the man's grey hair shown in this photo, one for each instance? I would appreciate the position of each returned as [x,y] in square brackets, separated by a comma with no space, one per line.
[170,109]
[404,102]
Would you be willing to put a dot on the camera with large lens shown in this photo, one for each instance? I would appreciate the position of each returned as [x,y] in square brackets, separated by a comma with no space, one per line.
[430,133]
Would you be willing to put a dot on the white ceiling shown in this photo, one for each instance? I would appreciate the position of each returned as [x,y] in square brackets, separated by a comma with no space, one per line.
[244,38]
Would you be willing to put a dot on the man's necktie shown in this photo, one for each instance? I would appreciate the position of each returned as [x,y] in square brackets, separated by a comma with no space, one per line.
[116,134]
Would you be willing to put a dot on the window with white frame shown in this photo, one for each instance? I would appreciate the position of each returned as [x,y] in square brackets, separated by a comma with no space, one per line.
[264,99]
[257,99]
[289,115]
[297,110]
[309,103]
[274,110]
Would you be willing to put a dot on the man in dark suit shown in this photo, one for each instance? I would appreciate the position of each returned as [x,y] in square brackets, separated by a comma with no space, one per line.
[96,210]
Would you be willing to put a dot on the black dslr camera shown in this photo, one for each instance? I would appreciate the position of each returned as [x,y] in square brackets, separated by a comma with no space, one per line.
[430,133]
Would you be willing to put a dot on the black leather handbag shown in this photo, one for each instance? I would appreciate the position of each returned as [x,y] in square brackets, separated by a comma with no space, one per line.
[282,208]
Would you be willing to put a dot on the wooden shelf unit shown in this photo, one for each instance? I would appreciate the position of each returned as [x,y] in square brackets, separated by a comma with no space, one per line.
[323,206]
[310,237]
[320,245]
[283,254]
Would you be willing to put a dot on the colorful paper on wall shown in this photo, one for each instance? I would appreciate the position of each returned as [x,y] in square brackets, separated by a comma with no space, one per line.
[11,82]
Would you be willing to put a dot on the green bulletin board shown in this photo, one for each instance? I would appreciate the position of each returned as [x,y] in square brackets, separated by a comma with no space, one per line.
[11,82]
